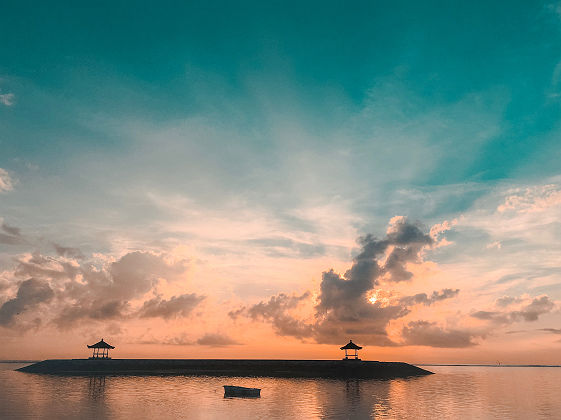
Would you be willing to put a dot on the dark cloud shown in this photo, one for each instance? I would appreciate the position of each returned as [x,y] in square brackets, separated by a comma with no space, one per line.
[276,311]
[537,307]
[343,308]
[138,272]
[211,340]
[216,340]
[490,316]
[530,312]
[176,306]
[423,298]
[551,330]
[98,309]
[30,293]
[11,230]
[349,291]
[424,333]
[507,301]
[395,264]
[84,290]
[180,340]
[105,293]
[69,252]
[4,284]
[10,235]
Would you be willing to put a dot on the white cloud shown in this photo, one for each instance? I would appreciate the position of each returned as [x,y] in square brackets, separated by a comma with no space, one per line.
[495,244]
[532,199]
[6,182]
[7,99]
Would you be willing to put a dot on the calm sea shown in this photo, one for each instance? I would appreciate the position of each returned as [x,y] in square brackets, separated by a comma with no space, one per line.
[455,392]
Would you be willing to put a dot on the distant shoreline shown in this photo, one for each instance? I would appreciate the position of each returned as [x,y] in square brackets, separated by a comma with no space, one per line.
[480,365]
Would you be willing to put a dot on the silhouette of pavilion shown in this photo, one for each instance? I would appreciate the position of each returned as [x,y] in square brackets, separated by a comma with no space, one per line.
[104,347]
[351,346]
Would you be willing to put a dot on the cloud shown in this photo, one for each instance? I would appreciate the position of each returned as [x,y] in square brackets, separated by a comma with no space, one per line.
[179,340]
[423,298]
[349,291]
[516,331]
[176,306]
[40,266]
[138,272]
[551,330]
[276,311]
[101,290]
[528,312]
[424,333]
[532,199]
[10,235]
[286,247]
[216,340]
[507,301]
[495,244]
[97,309]
[210,339]
[4,284]
[10,229]
[68,252]
[438,229]
[6,181]
[31,293]
[105,293]
[497,317]
[345,304]
[7,99]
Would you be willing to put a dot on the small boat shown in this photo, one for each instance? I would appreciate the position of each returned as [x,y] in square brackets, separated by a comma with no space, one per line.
[240,391]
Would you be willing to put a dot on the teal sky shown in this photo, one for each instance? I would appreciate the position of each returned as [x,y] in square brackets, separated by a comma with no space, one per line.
[292,127]
[460,92]
[319,65]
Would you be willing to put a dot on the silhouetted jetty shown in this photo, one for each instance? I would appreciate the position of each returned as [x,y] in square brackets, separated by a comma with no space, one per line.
[349,367]
[228,367]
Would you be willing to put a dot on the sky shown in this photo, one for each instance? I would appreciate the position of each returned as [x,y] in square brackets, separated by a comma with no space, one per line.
[270,180]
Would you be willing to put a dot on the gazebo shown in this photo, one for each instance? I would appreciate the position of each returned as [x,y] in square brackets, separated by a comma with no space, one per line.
[351,346]
[104,350]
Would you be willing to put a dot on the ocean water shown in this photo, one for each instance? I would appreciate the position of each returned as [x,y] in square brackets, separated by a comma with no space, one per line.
[454,392]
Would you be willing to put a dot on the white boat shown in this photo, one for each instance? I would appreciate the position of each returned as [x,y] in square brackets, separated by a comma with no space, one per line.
[240,391]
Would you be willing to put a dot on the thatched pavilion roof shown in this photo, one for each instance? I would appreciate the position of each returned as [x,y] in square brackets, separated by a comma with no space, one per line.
[350,346]
[101,345]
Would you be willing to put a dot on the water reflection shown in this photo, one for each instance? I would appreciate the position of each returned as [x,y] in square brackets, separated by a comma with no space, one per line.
[451,393]
[96,387]
[358,404]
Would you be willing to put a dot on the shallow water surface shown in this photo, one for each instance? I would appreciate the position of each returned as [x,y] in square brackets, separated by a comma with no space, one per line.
[453,392]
